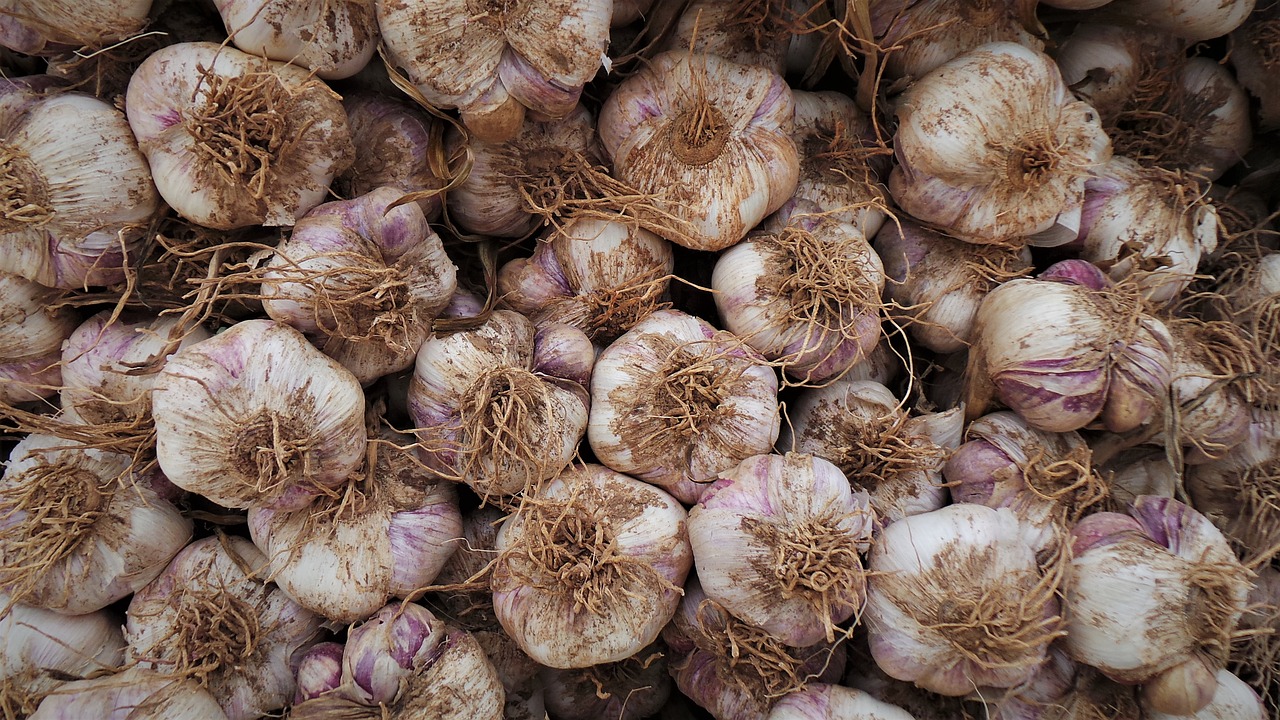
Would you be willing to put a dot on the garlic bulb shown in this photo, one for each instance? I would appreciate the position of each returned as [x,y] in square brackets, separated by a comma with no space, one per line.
[493,61]
[1243,502]
[333,39]
[920,35]
[1252,53]
[589,569]
[525,698]
[135,694]
[401,146]
[776,541]
[42,27]
[957,599]
[1051,687]
[710,138]
[319,671]
[863,674]
[992,172]
[211,616]
[1152,598]
[77,202]
[80,528]
[675,402]
[865,431]
[1213,369]
[840,159]
[747,33]
[821,701]
[938,282]
[257,416]
[600,276]
[804,290]
[1192,20]
[1233,699]
[1254,655]
[234,140]
[501,407]
[1144,470]
[629,689]
[1249,288]
[1103,63]
[31,336]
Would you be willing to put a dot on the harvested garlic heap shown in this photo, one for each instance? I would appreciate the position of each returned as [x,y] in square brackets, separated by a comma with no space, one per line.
[558,359]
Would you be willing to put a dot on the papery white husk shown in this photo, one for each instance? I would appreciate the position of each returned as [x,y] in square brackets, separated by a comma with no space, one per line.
[41,27]
[1242,500]
[1145,470]
[256,415]
[1192,20]
[132,694]
[400,145]
[838,153]
[335,39]
[31,336]
[920,35]
[589,570]
[641,425]
[214,590]
[821,701]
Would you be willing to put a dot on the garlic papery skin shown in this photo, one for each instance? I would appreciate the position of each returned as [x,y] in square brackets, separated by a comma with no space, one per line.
[1040,697]
[401,146]
[864,675]
[861,427]
[745,33]
[590,568]
[234,140]
[1145,470]
[957,599]
[1191,20]
[776,541]
[821,701]
[1103,63]
[600,276]
[996,172]
[675,402]
[1253,56]
[364,278]
[81,528]
[501,407]
[630,689]
[710,138]
[109,364]
[132,694]
[937,282]
[492,61]
[211,616]
[1243,502]
[920,35]
[255,415]
[840,159]
[804,291]
[1233,699]
[44,27]
[319,671]
[76,201]
[31,336]
[385,534]
[1152,598]
[334,39]
[518,673]
[1214,365]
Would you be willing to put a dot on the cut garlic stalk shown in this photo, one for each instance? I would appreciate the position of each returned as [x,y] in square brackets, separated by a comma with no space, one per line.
[334,39]
[31,336]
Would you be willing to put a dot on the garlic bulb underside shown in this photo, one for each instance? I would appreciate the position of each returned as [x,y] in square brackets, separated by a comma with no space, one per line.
[256,415]
[492,61]
[31,336]
[1253,55]
[135,694]
[776,542]
[235,140]
[401,146]
[709,138]
[923,34]
[40,650]
[43,27]
[1192,20]
[501,407]
[210,616]
[600,276]
[630,689]
[79,529]
[821,701]
[938,282]
[675,402]
[1211,387]
[744,33]
[1233,699]
[840,159]
[364,279]
[335,39]
[1244,503]
[590,569]
[995,172]
[957,599]
[78,192]
[803,290]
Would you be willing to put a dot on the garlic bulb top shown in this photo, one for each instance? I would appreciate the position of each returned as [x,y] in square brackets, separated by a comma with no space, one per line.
[335,39]
[44,27]
[924,34]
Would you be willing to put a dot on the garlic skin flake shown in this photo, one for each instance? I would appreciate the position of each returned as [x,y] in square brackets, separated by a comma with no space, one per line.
[31,337]
[295,134]
[335,39]
[132,694]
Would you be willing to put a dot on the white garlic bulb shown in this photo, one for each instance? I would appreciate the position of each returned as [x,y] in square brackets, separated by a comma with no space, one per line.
[924,34]
[31,336]
[840,159]
[135,693]
[1192,20]
[821,701]
[1214,366]
[44,27]
[745,33]
[335,39]
[1103,63]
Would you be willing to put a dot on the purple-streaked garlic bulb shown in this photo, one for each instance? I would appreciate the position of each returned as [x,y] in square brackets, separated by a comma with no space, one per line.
[676,401]
[840,159]
[236,140]
[1049,689]
[132,694]
[1106,358]
[45,27]
[1191,20]
[363,279]
[747,33]
[1152,598]
[590,568]
[711,141]
[804,291]
[334,39]
[81,528]
[993,148]
[400,146]
[213,617]
[861,427]
[31,337]
[1214,366]
[319,671]
[502,407]
[920,35]
[629,689]
[957,599]
[495,62]
[1254,58]
[777,542]
[257,416]
[823,701]
[600,276]
[936,282]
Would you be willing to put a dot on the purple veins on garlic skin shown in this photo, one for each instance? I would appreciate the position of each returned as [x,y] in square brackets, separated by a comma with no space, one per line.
[400,147]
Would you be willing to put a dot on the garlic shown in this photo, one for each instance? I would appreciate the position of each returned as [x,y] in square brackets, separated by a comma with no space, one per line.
[1103,63]
[1232,700]
[597,275]
[629,689]
[1050,688]
[81,528]
[1213,369]
[919,35]
[401,146]
[42,27]
[776,542]
[864,675]
[675,402]
[256,416]
[136,694]
[76,202]
[31,336]
[747,33]
[1254,655]
[210,616]
[1249,290]
[1192,20]
[1144,470]
[1253,55]
[319,671]
[804,290]
[821,701]
[1243,501]
[710,138]
[333,39]
[996,172]
[626,12]
[501,407]
[494,60]
[234,140]
[937,282]
[840,159]
[525,696]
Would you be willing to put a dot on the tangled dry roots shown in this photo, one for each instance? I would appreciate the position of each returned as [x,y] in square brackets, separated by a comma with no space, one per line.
[875,452]
[1255,656]
[1211,608]
[747,657]
[356,300]
[1162,123]
[612,312]
[502,415]
[1069,482]
[213,629]
[827,284]
[24,196]
[270,450]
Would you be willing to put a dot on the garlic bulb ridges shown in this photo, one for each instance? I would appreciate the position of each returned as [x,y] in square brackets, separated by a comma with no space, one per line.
[841,159]
[31,337]
[921,35]
[335,39]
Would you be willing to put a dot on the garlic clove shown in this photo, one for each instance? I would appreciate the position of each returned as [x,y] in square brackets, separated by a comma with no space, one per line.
[319,671]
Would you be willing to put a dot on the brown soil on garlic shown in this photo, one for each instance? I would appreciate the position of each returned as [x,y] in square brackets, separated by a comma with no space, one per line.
[875,453]
[1069,482]
[747,657]
[500,415]
[213,629]
[841,157]
[24,193]
[826,284]
[358,301]
[271,449]
[1034,159]
[698,135]
[612,312]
